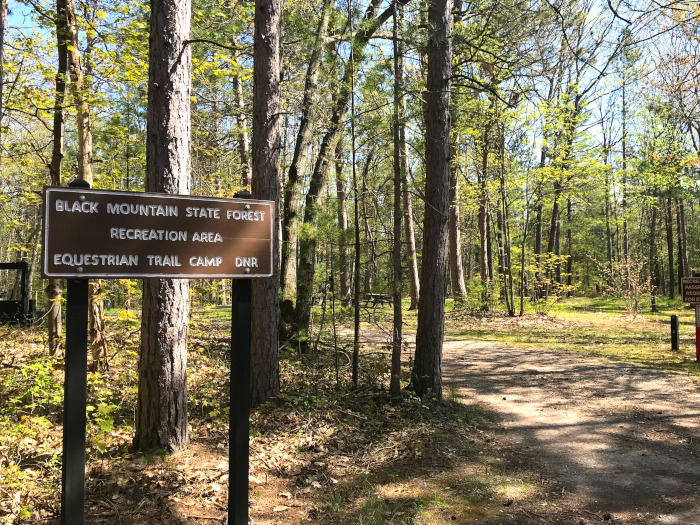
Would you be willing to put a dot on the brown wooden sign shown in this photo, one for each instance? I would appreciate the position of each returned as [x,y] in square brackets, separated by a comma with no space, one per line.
[110,234]
[690,289]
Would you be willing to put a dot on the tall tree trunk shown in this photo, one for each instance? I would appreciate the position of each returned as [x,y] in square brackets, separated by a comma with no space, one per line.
[242,127]
[370,239]
[397,288]
[343,262]
[409,229]
[79,96]
[652,257]
[669,241]
[608,237]
[54,291]
[681,267]
[264,362]
[522,261]
[97,339]
[505,232]
[625,232]
[3,23]
[426,376]
[161,410]
[485,264]
[300,158]
[569,249]
[459,290]
[683,239]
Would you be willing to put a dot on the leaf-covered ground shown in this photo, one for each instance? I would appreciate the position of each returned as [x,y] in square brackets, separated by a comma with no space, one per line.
[323,452]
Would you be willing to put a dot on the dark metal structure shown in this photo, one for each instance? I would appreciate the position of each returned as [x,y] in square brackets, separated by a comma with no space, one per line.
[20,311]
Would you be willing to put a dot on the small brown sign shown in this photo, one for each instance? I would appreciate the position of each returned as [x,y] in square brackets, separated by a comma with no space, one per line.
[690,289]
[111,234]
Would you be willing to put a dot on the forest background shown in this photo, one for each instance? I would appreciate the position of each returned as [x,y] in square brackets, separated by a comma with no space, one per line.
[574,131]
[574,136]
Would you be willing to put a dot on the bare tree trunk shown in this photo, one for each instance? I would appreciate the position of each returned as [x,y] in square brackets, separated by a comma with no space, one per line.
[370,239]
[484,252]
[505,233]
[410,230]
[625,232]
[54,291]
[652,257]
[397,324]
[669,241]
[522,262]
[569,248]
[608,237]
[3,23]
[297,169]
[459,290]
[341,193]
[79,96]
[242,128]
[683,239]
[161,411]
[426,376]
[264,363]
[97,339]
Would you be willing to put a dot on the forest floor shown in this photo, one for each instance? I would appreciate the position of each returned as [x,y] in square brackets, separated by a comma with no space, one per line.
[580,417]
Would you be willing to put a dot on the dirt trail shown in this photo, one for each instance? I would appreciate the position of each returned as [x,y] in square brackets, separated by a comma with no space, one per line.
[621,442]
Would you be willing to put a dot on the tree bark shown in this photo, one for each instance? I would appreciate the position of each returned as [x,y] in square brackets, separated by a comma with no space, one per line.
[54,291]
[397,324]
[161,411]
[97,339]
[652,257]
[426,376]
[242,128]
[341,193]
[669,243]
[410,231]
[608,228]
[3,23]
[264,368]
[484,252]
[459,290]
[79,96]
[683,239]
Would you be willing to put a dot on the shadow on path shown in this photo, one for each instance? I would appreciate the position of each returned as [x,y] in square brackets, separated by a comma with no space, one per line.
[619,439]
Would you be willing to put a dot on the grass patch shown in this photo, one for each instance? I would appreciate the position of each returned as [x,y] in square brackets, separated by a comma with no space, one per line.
[599,327]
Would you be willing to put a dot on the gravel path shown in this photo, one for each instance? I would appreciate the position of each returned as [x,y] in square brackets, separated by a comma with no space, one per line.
[621,441]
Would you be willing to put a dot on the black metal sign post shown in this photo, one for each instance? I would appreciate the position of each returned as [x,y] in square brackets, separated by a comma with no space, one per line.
[239,408]
[249,255]
[74,404]
[75,399]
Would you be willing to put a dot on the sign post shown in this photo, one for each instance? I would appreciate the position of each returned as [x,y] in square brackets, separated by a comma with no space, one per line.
[690,293]
[697,332]
[141,235]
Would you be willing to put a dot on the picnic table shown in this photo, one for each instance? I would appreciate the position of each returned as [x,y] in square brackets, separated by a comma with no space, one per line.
[375,299]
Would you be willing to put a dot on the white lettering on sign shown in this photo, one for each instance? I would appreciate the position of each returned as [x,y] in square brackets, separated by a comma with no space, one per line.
[88,259]
[247,262]
[147,235]
[202,213]
[163,260]
[206,261]
[207,237]
[147,210]
[77,206]
[245,215]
